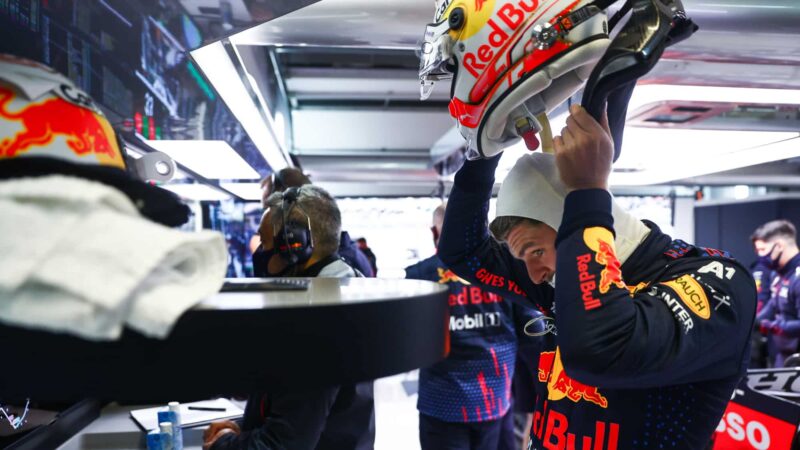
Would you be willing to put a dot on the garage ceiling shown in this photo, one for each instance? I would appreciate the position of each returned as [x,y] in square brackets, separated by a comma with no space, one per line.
[349,71]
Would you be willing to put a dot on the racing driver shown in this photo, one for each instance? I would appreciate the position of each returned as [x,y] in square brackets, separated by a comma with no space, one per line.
[647,336]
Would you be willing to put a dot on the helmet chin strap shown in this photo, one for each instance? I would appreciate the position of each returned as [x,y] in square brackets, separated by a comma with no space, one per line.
[546,134]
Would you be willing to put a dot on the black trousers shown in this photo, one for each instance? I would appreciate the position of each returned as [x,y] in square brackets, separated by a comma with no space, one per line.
[435,434]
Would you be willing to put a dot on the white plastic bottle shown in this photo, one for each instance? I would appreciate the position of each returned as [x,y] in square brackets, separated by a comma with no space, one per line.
[166,435]
[177,431]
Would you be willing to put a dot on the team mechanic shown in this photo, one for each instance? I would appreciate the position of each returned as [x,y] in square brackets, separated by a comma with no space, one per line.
[644,354]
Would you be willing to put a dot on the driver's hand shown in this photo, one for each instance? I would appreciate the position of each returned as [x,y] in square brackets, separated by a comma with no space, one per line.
[584,151]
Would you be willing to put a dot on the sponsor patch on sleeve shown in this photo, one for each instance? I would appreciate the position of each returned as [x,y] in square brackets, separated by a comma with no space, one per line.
[691,294]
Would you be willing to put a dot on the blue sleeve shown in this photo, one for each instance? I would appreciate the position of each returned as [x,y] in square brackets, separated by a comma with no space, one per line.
[354,257]
[791,328]
[465,245]
[693,326]
[762,274]
[419,271]
[767,312]
[363,263]
[413,273]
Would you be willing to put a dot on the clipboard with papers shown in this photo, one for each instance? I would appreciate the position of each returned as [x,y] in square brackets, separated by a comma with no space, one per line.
[192,414]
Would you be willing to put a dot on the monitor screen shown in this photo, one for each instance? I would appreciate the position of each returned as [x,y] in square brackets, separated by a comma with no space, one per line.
[132,58]
[238,222]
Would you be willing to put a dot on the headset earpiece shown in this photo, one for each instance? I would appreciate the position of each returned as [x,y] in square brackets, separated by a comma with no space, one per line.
[277,181]
[294,241]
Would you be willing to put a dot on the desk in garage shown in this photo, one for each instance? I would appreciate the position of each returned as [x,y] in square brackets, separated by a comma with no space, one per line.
[338,331]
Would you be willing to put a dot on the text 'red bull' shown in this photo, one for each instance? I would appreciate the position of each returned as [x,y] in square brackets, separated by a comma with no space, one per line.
[471,295]
[550,427]
[42,122]
[587,283]
[512,16]
[560,385]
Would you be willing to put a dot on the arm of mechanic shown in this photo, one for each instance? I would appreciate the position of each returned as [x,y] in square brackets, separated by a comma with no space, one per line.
[789,327]
[465,245]
[610,337]
[767,311]
[765,319]
[763,277]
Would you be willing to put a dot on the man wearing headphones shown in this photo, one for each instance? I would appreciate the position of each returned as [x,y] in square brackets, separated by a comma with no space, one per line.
[303,225]
[280,181]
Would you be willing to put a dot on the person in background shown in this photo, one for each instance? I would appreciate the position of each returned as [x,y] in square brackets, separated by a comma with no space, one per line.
[337,418]
[293,177]
[762,269]
[373,260]
[779,318]
[762,349]
[350,252]
[280,181]
[463,399]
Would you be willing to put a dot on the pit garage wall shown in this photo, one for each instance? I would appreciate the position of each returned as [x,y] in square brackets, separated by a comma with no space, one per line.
[728,225]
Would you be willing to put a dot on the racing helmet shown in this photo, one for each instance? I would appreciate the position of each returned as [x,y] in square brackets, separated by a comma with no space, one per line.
[50,126]
[511,62]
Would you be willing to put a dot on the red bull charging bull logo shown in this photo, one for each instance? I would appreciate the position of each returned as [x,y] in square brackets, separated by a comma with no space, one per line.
[447,276]
[85,132]
[560,385]
[601,242]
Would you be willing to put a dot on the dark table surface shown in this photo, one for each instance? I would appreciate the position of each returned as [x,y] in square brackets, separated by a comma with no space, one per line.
[337,331]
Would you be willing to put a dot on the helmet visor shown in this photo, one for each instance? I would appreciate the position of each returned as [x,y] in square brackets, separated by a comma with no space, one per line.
[434,55]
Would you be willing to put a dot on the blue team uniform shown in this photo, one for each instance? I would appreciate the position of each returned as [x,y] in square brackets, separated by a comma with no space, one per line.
[473,384]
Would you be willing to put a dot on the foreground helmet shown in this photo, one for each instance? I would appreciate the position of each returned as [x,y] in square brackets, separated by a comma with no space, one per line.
[511,62]
[49,126]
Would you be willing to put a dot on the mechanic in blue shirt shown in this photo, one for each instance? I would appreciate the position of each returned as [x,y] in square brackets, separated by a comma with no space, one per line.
[762,349]
[780,317]
[463,399]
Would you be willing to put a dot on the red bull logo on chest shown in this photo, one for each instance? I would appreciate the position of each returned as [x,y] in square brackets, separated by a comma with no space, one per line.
[560,385]
[601,242]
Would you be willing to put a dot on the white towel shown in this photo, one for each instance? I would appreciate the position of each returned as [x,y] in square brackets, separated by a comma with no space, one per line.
[76,257]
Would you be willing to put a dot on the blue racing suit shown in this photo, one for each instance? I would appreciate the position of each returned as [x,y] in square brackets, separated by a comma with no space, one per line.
[641,355]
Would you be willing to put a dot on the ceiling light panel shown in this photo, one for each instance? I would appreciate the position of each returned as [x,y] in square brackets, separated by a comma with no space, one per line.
[215,160]
[196,192]
[653,94]
[247,191]
[220,71]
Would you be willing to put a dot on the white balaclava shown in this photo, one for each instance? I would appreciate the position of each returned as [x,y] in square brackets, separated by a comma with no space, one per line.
[534,190]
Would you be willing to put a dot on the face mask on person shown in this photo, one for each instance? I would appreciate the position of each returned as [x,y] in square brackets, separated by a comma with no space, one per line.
[773,262]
